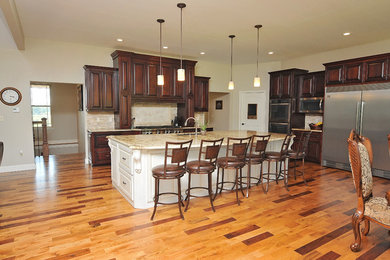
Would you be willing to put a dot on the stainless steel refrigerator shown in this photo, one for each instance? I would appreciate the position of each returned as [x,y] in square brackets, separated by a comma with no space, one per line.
[365,108]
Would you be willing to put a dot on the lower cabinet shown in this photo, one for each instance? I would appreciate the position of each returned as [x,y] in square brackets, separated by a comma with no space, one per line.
[314,147]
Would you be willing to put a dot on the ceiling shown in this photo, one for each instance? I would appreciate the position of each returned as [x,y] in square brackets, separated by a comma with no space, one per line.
[291,28]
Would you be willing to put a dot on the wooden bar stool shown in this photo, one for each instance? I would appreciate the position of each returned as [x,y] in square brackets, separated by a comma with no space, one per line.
[236,151]
[175,169]
[256,156]
[299,153]
[278,158]
[206,164]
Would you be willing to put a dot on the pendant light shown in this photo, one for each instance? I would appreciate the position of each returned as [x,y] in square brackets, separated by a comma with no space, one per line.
[181,72]
[231,83]
[256,81]
[160,76]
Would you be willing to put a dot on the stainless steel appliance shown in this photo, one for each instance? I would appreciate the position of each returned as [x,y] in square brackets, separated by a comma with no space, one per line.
[365,108]
[312,105]
[282,116]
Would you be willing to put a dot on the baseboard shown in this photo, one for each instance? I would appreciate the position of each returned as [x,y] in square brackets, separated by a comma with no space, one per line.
[17,168]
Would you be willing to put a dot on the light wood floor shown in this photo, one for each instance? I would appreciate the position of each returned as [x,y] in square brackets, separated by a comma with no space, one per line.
[66,209]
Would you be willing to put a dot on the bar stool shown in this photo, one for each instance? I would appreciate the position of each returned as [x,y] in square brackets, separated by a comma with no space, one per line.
[256,156]
[236,151]
[299,153]
[206,163]
[1,151]
[175,169]
[278,158]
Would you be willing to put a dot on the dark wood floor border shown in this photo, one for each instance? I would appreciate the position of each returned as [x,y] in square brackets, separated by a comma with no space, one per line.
[75,196]
[292,196]
[89,200]
[241,231]
[15,203]
[6,241]
[82,187]
[41,213]
[222,205]
[99,221]
[375,251]
[319,208]
[40,220]
[329,256]
[324,239]
[255,239]
[349,212]
[151,224]
[344,178]
[208,226]
[77,253]
[301,182]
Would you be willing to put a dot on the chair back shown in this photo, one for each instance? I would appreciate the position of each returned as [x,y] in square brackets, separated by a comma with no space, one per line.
[360,158]
[176,153]
[238,147]
[1,151]
[285,145]
[258,145]
[303,143]
[209,150]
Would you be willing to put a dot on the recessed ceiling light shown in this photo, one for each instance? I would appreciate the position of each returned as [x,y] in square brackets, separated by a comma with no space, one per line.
[119,40]
[165,47]
[202,53]
[270,52]
[346,33]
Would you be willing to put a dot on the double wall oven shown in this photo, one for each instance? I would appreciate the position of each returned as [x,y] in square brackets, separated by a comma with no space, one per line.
[279,115]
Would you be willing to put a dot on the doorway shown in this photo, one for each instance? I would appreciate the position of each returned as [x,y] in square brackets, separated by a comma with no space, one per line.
[252,111]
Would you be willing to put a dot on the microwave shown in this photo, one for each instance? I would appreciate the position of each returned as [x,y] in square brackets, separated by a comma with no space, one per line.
[313,105]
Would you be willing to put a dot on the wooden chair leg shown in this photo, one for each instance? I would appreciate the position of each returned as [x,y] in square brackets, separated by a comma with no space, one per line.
[285,175]
[277,173]
[179,197]
[241,183]
[366,227]
[188,192]
[236,183]
[356,218]
[223,180]
[248,179]
[295,169]
[303,171]
[156,196]
[210,191]
[269,167]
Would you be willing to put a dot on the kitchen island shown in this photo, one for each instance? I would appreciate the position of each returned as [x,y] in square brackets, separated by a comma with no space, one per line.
[134,156]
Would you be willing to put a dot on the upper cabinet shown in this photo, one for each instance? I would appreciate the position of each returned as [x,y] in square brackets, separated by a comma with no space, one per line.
[102,88]
[357,71]
[201,95]
[311,84]
[283,84]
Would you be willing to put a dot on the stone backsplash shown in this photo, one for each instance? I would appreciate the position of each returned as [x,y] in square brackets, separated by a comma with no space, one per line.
[148,114]
[100,120]
[312,119]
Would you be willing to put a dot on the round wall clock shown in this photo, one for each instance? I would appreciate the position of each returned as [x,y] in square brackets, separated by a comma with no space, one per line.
[10,96]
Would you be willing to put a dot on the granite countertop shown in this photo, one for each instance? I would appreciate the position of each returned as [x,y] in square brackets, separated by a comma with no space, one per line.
[302,129]
[158,141]
[136,129]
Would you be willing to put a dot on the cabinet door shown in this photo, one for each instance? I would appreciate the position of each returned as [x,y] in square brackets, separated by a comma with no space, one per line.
[109,92]
[178,86]
[319,84]
[334,75]
[275,86]
[201,94]
[376,70]
[353,72]
[139,78]
[152,72]
[306,85]
[93,84]
[124,92]
[286,85]
[167,89]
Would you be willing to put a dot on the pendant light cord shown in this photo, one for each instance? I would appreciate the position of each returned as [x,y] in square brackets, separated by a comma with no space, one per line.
[181,38]
[231,59]
[160,47]
[257,69]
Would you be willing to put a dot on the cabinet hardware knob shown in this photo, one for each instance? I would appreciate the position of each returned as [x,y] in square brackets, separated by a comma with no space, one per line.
[124,182]
[123,158]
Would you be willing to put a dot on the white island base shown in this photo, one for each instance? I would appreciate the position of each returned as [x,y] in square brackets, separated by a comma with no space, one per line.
[134,156]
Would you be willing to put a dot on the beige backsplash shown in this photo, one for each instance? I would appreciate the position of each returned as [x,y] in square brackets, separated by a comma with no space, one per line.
[147,114]
[312,119]
[100,120]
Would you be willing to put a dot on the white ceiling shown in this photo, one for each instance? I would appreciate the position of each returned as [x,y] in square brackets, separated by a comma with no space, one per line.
[291,28]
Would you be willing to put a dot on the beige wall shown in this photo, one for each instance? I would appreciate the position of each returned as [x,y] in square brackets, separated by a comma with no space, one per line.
[219,119]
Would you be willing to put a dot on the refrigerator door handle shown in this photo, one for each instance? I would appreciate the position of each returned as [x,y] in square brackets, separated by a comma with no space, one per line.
[358,106]
[361,117]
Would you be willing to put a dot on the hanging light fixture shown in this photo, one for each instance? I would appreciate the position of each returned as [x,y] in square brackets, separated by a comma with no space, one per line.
[160,76]
[256,81]
[181,72]
[231,83]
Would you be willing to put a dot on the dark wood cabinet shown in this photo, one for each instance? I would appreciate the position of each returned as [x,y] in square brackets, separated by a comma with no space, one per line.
[102,88]
[311,84]
[283,84]
[314,149]
[201,94]
[371,69]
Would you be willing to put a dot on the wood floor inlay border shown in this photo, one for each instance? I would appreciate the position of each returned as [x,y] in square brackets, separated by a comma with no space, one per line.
[290,197]
[319,208]
[82,187]
[99,221]
[329,256]
[324,239]
[255,239]
[241,231]
[208,226]
[89,200]
[151,224]
[6,241]
[376,251]
[222,206]
[15,203]
[77,253]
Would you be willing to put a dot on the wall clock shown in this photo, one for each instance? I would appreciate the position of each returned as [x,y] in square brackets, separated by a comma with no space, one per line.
[10,96]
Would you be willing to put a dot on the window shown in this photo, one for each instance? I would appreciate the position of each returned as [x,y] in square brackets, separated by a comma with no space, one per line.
[40,103]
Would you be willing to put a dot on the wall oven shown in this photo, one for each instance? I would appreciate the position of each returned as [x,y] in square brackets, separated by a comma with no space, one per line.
[311,105]
[280,110]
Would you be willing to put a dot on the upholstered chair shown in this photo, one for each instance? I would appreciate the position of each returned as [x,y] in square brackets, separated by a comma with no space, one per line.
[369,208]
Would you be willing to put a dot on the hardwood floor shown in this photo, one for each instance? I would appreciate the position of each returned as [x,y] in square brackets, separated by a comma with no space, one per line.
[66,209]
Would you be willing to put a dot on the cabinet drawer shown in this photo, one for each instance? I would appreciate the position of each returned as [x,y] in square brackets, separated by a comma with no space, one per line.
[124,159]
[126,185]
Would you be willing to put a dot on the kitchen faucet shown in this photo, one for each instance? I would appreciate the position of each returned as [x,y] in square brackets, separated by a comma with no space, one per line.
[195,122]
